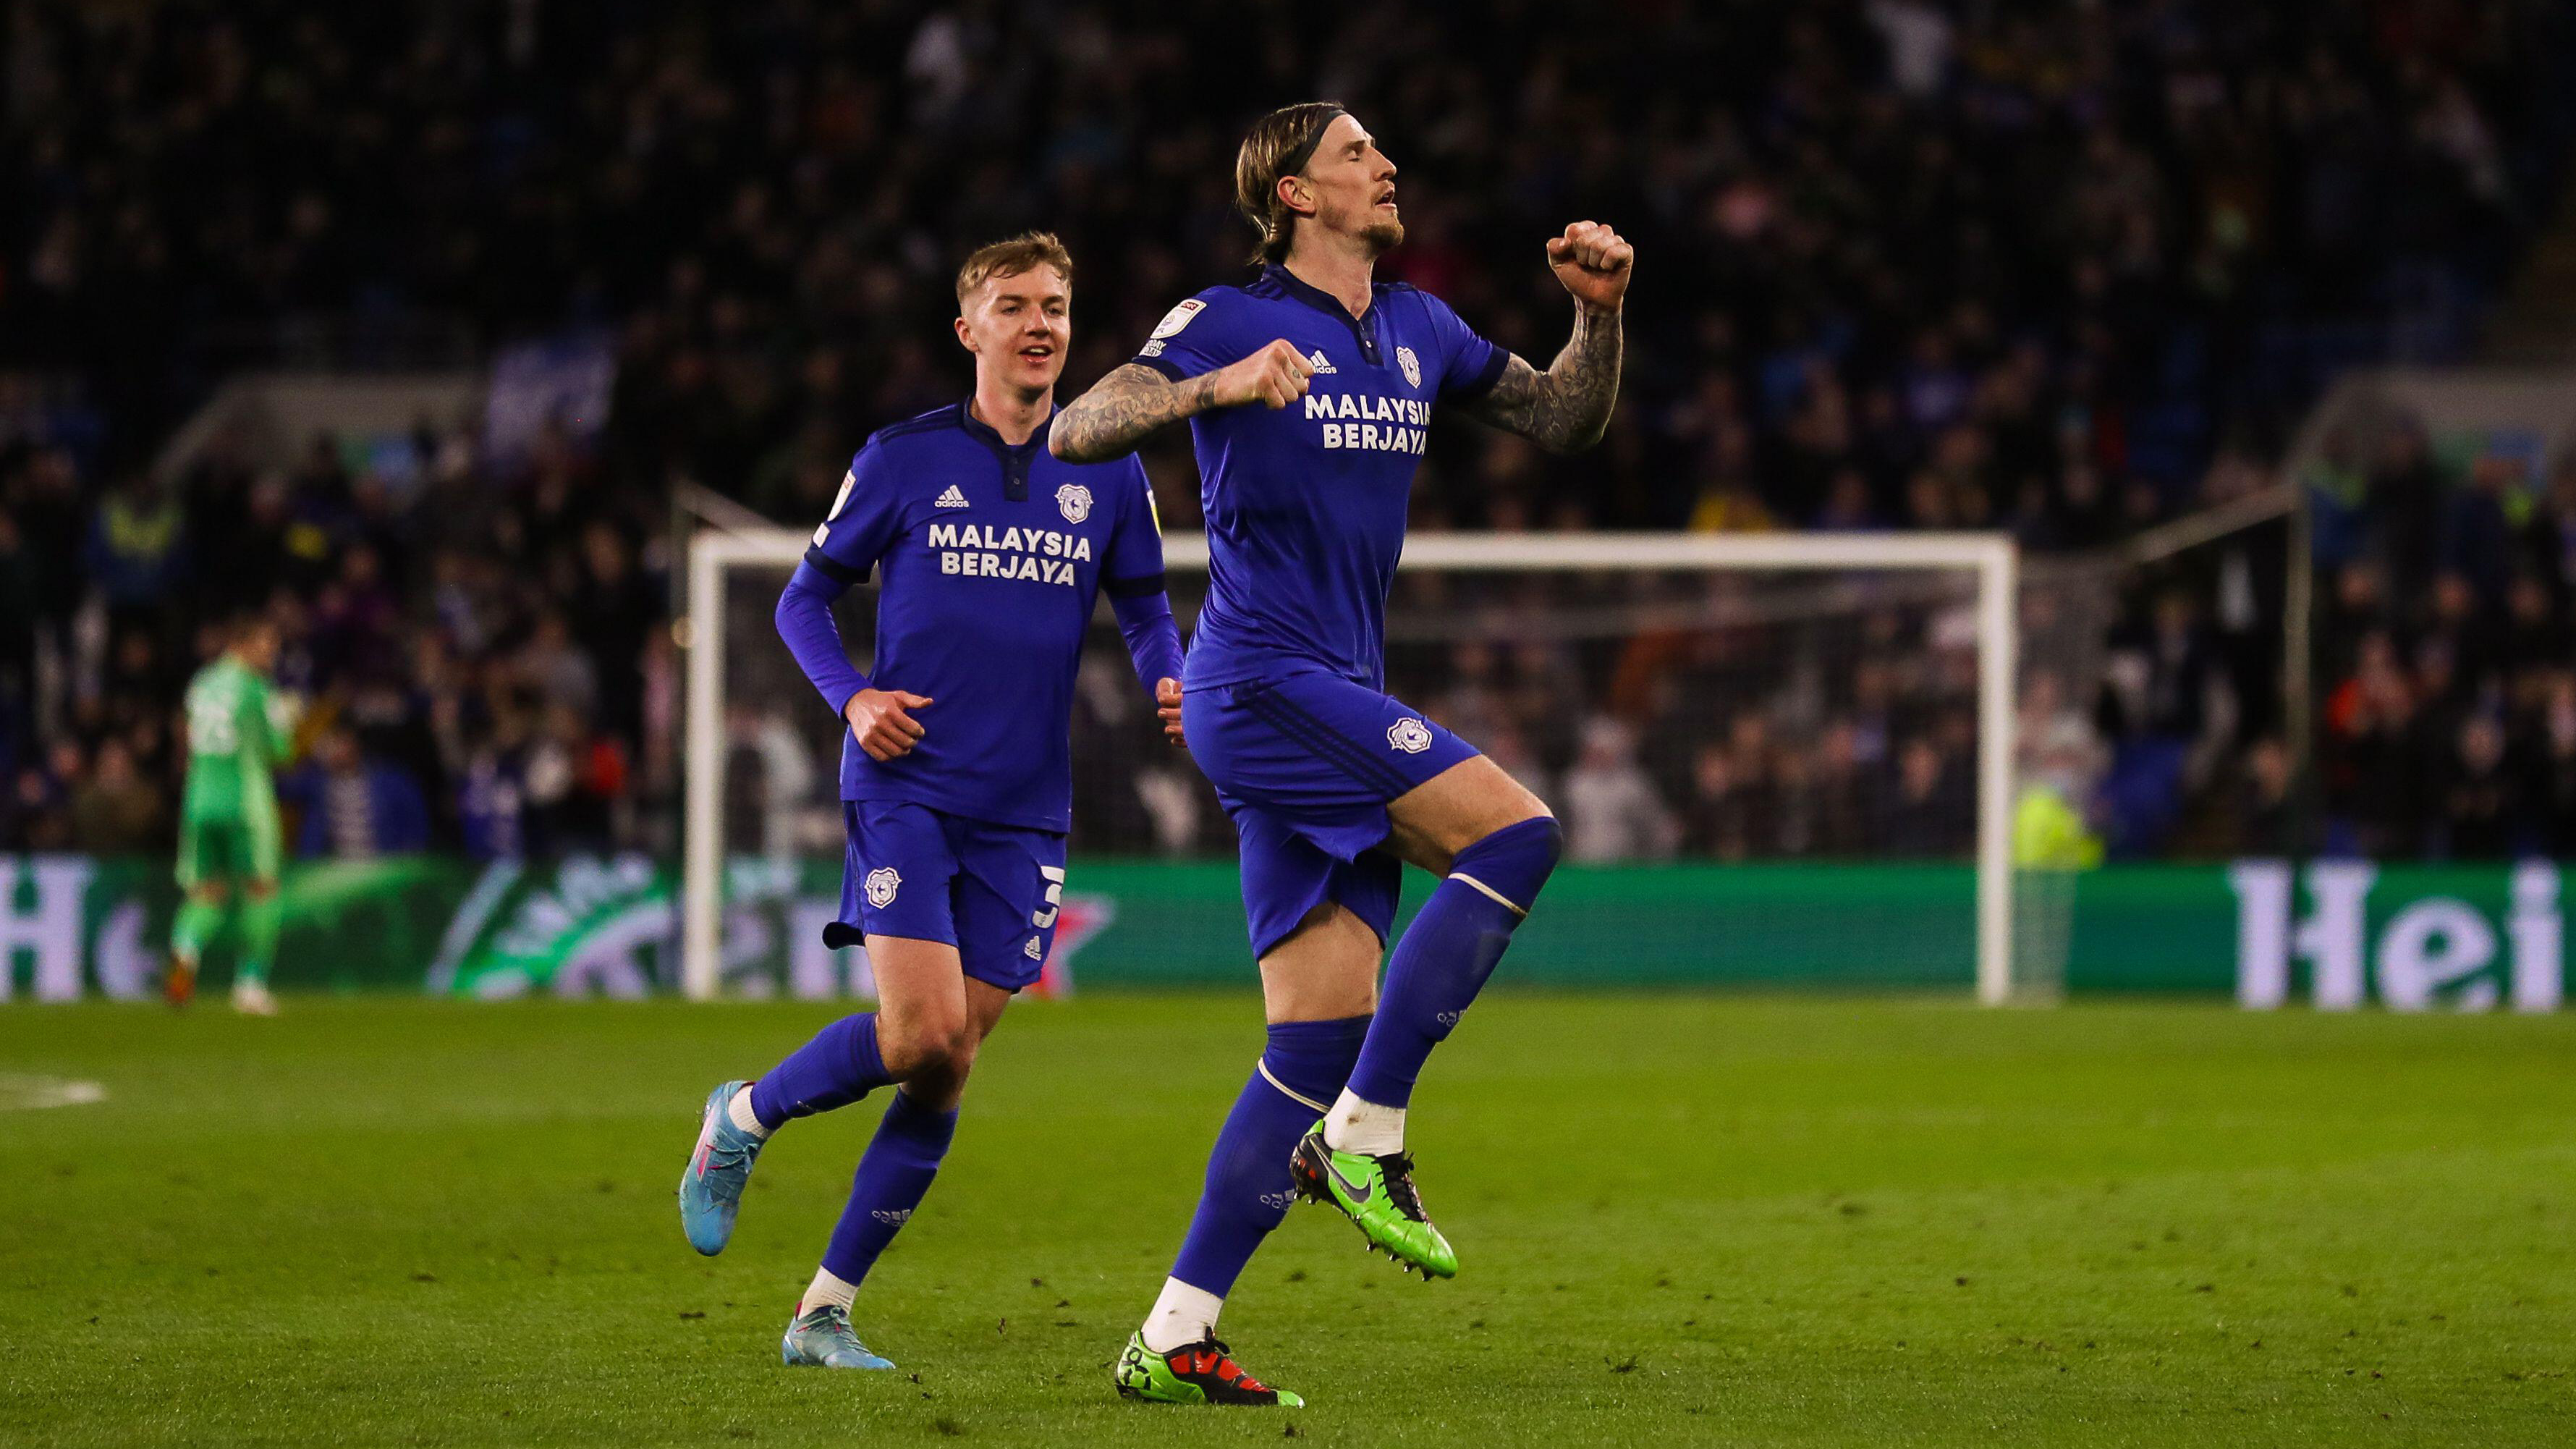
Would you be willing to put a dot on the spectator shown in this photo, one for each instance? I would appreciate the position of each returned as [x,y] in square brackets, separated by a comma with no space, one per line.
[1718,821]
[2551,763]
[2478,795]
[1929,814]
[1611,809]
[767,769]
[2265,819]
[355,806]
[114,809]
[40,803]
[492,805]
[2377,750]
[134,552]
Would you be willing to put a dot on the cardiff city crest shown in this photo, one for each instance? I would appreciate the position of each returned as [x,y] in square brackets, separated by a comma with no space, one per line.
[1411,364]
[1075,500]
[882,884]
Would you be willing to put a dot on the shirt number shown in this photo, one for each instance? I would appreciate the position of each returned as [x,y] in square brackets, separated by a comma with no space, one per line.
[1045,917]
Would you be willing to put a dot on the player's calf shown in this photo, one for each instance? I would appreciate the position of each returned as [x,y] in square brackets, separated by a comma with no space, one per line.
[894,1175]
[1435,973]
[1248,1187]
[1355,1158]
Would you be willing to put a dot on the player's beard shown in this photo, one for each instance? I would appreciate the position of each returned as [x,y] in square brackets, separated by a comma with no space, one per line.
[1383,236]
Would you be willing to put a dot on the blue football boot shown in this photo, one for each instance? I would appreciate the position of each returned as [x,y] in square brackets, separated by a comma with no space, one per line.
[822,1339]
[711,1190]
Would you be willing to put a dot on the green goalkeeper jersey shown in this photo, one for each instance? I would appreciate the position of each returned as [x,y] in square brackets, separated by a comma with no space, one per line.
[239,729]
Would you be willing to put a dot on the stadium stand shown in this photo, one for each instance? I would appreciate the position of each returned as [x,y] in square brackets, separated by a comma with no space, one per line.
[1871,298]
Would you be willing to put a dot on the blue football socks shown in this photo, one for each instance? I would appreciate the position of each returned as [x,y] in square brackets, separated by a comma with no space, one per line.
[1446,954]
[1247,1193]
[893,1175]
[838,1067]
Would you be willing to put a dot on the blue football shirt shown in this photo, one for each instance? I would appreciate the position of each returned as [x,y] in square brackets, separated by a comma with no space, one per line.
[990,558]
[1306,504]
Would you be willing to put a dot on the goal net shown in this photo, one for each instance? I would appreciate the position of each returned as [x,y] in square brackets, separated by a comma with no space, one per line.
[1779,759]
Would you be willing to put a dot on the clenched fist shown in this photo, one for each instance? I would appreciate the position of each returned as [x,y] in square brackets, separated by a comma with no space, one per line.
[879,722]
[1273,377]
[1167,707]
[1592,261]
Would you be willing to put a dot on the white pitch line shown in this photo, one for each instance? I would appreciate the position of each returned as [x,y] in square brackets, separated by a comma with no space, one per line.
[26,1094]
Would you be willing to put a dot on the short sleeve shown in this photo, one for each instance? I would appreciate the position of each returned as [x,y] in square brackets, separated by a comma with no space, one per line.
[1191,339]
[1135,562]
[866,518]
[1469,365]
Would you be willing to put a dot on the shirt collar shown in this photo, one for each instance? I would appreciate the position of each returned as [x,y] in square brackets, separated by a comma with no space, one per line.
[983,432]
[1314,296]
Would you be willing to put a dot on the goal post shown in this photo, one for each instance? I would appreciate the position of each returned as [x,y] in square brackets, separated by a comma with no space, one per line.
[716,557]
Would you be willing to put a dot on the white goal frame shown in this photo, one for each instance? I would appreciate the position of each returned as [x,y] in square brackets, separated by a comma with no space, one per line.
[1992,557]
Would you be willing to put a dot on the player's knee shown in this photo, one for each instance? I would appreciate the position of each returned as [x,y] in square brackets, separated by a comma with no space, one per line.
[942,1050]
[939,1081]
[956,1054]
[1538,841]
[920,1042]
[1515,861]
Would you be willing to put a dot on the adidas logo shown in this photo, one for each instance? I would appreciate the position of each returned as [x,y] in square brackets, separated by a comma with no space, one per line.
[1322,364]
[955,497]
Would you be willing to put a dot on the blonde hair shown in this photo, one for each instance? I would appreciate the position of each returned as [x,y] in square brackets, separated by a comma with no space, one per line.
[1023,253]
[1279,145]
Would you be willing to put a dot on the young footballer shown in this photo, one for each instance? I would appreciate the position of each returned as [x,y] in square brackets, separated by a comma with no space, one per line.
[1308,393]
[955,779]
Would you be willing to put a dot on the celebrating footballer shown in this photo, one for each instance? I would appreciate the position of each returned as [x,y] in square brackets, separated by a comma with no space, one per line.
[956,780]
[1308,392]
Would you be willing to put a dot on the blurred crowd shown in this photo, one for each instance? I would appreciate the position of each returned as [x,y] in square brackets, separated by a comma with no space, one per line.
[1733,717]
[1903,263]
[485,664]
[2448,718]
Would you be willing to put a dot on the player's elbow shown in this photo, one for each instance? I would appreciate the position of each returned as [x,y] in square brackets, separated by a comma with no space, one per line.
[798,601]
[1061,440]
[1578,438]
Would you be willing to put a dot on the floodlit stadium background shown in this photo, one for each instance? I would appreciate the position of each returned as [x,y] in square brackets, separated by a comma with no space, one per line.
[439,331]
[451,334]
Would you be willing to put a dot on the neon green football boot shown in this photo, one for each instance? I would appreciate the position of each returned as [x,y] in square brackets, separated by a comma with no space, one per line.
[1378,1194]
[1195,1373]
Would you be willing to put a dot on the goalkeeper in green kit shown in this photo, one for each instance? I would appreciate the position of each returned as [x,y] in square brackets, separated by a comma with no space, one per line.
[239,728]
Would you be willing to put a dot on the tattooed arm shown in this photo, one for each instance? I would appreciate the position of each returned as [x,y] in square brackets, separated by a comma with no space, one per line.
[1135,400]
[1566,408]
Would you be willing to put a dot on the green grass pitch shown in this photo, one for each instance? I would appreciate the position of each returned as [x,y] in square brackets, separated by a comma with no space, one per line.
[1682,1219]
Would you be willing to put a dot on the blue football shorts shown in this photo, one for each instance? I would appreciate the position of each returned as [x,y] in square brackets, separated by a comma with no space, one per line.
[1305,765]
[991,891]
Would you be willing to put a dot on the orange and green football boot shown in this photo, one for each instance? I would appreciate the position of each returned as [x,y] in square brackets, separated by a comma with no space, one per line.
[1378,1194]
[179,980]
[1195,1373]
